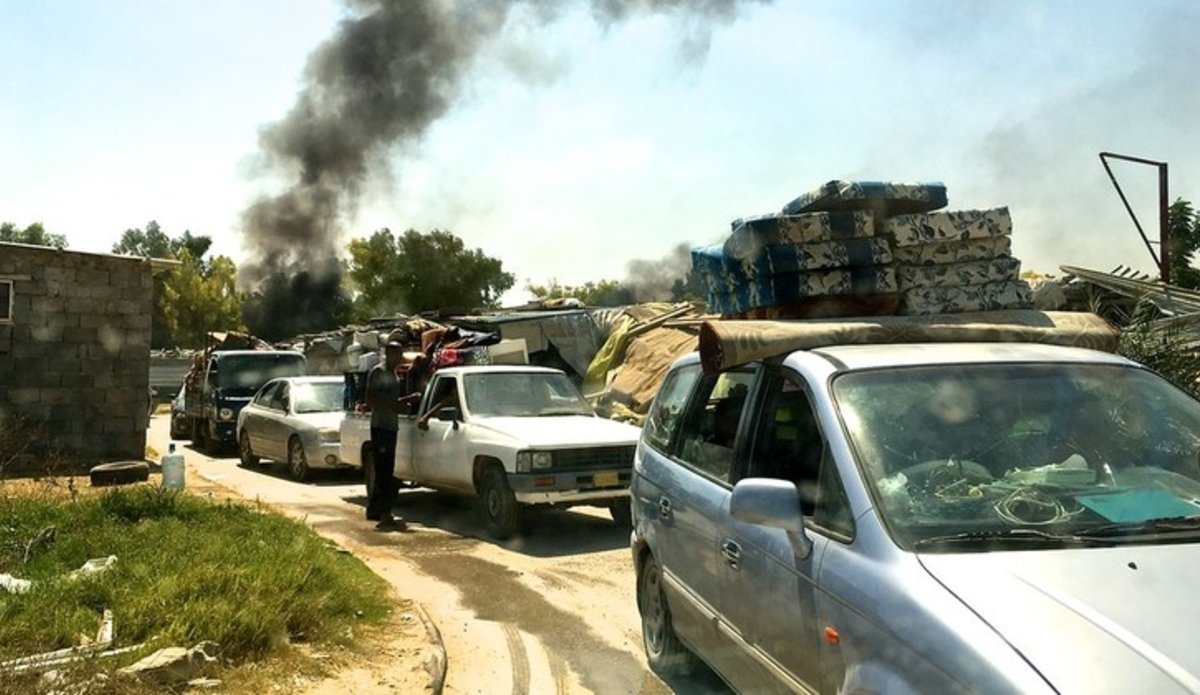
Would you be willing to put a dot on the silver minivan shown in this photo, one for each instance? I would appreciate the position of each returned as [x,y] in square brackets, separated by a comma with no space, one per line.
[922,518]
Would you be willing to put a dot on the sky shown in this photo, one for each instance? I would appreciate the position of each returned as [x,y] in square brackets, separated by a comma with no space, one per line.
[576,143]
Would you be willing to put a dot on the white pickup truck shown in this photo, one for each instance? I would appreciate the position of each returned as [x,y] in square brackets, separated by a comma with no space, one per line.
[510,436]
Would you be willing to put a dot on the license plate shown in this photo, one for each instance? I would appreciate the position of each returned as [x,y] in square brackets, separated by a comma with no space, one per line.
[607,479]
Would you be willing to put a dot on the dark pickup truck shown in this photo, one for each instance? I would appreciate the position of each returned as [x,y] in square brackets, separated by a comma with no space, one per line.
[226,382]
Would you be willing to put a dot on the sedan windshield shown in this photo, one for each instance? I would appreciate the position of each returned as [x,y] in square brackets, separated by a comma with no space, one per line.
[982,456]
[518,394]
[318,397]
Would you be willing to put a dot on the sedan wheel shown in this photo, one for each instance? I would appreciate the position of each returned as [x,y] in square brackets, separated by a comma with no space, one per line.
[297,462]
[246,455]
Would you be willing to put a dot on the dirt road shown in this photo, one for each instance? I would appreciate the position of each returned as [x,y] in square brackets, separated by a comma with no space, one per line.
[552,611]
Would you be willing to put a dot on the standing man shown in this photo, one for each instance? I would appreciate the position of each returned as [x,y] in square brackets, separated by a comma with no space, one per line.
[388,396]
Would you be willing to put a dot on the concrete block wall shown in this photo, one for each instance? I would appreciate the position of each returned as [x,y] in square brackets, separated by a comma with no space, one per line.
[75,356]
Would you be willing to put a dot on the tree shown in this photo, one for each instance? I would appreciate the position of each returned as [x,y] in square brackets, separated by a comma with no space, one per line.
[197,300]
[415,272]
[154,243]
[1184,225]
[601,293]
[34,234]
[689,288]
[181,296]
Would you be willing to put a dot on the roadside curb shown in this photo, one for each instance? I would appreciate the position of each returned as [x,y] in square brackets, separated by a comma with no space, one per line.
[435,663]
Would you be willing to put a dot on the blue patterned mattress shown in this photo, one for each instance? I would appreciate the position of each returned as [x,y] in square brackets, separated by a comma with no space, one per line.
[751,234]
[715,262]
[773,290]
[883,198]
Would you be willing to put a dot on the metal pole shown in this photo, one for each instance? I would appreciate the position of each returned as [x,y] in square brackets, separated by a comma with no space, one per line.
[1161,259]
[1164,224]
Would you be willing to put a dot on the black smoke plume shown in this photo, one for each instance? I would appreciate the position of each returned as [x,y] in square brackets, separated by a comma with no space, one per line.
[392,69]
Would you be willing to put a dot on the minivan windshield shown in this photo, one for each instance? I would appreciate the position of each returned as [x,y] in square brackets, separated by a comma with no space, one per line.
[249,372]
[970,457]
[524,394]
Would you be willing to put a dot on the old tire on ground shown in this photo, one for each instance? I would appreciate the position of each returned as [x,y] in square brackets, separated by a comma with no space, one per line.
[497,505]
[119,473]
[246,455]
[297,462]
[665,653]
[622,513]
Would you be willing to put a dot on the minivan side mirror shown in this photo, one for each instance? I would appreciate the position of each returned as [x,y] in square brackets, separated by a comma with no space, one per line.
[448,414]
[771,502]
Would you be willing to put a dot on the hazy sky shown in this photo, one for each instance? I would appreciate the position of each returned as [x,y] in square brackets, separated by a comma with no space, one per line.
[575,146]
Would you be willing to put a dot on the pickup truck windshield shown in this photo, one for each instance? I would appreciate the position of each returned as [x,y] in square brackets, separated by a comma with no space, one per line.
[530,394]
[249,372]
[975,457]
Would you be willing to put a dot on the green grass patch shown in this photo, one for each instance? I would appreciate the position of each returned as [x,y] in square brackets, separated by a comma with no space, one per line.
[188,569]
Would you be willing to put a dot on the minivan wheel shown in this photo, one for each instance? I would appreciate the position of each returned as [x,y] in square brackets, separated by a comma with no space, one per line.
[297,462]
[245,454]
[497,505]
[665,653]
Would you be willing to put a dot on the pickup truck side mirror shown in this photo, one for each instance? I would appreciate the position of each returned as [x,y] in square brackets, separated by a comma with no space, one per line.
[771,502]
[449,414]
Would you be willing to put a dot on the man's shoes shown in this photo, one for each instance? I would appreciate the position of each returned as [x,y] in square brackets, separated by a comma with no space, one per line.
[390,524]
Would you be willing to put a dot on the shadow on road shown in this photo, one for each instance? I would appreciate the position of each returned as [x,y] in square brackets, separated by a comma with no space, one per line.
[547,533]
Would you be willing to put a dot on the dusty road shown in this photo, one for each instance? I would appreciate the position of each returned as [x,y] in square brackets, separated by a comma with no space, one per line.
[552,611]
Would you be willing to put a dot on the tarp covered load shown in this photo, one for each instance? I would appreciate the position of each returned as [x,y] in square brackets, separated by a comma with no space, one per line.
[727,344]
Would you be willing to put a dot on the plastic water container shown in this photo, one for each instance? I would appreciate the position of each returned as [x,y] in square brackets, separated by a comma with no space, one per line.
[172,469]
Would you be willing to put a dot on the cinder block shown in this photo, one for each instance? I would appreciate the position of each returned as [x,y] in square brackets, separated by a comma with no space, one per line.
[24,396]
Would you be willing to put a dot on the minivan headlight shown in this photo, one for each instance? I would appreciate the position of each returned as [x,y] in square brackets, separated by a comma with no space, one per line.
[542,459]
[225,414]
[329,436]
[524,461]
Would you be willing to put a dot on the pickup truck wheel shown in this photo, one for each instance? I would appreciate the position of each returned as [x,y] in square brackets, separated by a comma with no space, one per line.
[498,506]
[245,454]
[622,513]
[368,467]
[297,462]
[665,653]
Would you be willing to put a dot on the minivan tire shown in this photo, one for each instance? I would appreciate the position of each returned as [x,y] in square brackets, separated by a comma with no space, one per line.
[498,505]
[665,653]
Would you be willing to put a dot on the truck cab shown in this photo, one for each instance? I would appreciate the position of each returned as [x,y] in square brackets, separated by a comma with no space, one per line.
[228,381]
[511,436]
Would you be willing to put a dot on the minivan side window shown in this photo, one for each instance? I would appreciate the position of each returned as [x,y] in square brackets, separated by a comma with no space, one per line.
[710,426]
[789,446]
[663,417]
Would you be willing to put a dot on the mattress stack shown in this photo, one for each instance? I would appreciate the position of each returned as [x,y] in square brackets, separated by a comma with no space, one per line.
[787,260]
[949,262]
[852,248]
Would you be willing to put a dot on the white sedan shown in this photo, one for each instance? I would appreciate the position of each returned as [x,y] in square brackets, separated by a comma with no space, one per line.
[294,420]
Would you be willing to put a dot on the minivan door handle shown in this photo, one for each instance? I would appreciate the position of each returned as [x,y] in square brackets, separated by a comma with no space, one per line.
[664,507]
[732,552]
